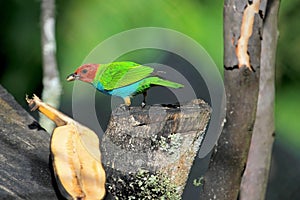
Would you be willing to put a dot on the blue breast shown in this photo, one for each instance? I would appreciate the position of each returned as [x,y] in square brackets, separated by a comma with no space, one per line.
[125,91]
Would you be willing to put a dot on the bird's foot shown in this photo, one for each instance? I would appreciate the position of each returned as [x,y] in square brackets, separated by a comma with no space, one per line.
[143,104]
[144,99]
[124,107]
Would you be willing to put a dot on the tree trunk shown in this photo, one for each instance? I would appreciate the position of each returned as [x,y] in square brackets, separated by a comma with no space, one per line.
[52,87]
[243,22]
[254,182]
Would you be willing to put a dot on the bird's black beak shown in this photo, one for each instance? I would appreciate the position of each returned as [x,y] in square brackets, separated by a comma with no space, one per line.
[72,77]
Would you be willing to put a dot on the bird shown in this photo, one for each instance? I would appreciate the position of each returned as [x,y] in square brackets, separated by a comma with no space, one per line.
[123,79]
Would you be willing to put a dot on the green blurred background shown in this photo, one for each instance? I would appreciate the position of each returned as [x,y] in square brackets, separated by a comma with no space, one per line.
[83,25]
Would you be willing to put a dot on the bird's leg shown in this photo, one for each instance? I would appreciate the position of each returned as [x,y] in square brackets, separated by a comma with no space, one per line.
[144,99]
[127,101]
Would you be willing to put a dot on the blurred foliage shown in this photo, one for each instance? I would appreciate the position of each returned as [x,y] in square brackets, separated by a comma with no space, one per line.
[20,52]
[83,25]
[287,116]
[288,76]
[288,70]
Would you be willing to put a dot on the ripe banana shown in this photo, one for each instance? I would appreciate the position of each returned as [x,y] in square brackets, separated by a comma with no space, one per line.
[76,158]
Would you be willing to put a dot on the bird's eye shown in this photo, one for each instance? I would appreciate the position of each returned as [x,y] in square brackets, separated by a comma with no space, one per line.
[84,71]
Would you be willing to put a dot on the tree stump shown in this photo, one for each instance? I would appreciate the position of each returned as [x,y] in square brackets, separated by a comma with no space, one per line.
[148,152]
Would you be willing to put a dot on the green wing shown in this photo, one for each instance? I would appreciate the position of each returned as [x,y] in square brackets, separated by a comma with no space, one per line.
[120,74]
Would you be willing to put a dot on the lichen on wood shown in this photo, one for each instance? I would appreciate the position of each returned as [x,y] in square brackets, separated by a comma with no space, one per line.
[158,141]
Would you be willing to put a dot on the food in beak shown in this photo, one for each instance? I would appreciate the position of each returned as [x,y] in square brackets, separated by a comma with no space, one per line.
[72,77]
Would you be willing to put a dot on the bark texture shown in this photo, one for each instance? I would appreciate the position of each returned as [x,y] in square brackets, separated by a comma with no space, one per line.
[243,22]
[254,182]
[24,154]
[148,152]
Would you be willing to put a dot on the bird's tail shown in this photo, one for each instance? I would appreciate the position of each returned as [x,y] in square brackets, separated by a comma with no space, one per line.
[162,82]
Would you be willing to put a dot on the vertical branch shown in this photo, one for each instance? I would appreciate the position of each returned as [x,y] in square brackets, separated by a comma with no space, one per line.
[52,87]
[242,49]
[254,182]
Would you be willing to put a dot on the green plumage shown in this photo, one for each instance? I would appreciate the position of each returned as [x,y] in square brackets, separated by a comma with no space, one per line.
[123,79]
[148,82]
[120,74]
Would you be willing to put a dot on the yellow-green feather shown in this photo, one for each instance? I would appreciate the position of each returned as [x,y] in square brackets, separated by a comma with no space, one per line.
[120,74]
[148,82]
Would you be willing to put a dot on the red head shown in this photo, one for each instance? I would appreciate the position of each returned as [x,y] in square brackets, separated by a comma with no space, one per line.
[84,73]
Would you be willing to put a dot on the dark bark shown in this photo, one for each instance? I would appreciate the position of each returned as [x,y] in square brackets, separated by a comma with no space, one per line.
[242,49]
[254,182]
[24,153]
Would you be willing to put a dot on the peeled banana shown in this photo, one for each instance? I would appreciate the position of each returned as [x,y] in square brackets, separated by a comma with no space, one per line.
[76,158]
